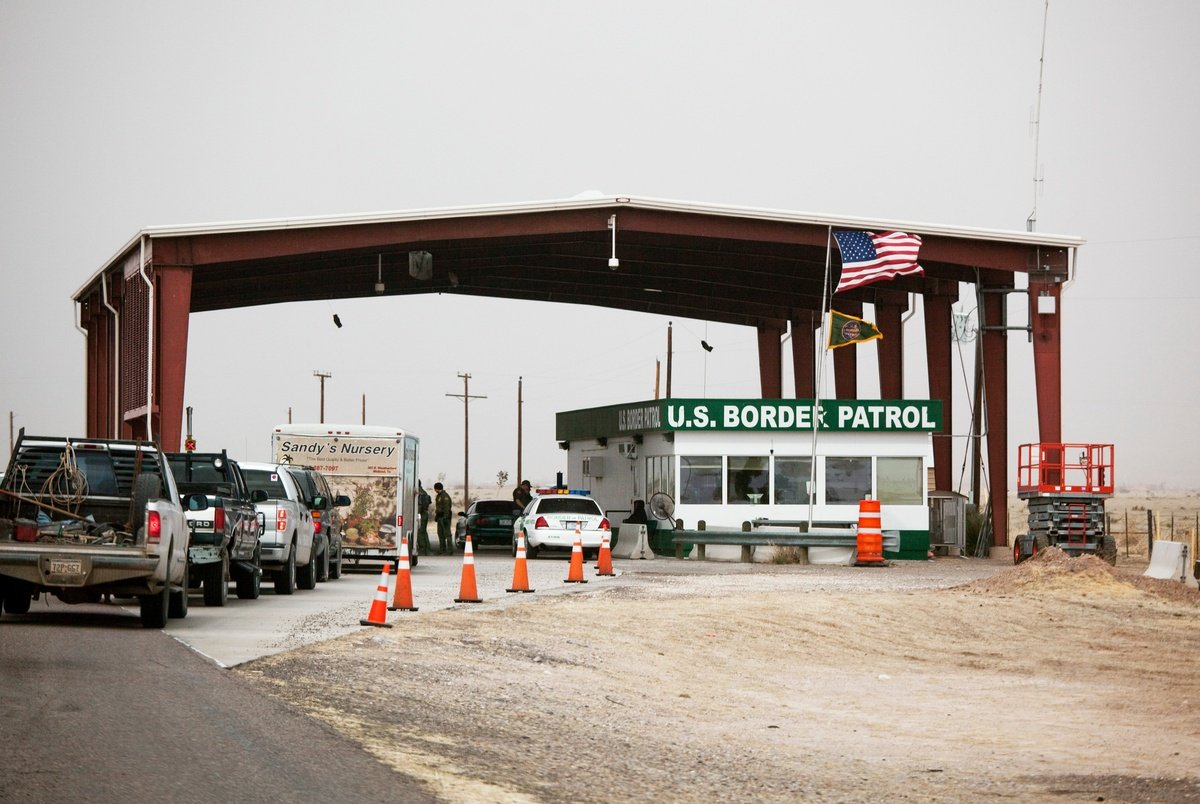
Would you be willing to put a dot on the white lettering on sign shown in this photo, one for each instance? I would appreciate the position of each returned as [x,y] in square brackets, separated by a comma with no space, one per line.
[643,418]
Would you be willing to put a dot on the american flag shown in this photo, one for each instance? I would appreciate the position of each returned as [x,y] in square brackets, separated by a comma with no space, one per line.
[868,257]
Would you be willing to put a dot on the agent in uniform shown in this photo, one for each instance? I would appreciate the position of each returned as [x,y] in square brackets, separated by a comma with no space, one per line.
[423,503]
[441,513]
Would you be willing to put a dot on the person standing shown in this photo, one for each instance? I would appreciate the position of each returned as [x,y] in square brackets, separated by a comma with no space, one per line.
[423,503]
[441,513]
[522,495]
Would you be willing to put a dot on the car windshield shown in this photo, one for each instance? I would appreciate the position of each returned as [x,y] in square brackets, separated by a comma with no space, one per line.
[569,505]
[494,507]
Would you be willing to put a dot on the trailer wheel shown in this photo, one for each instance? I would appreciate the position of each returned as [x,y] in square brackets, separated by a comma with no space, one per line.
[216,585]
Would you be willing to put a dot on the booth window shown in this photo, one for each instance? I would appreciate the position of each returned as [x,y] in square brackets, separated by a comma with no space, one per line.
[900,480]
[748,480]
[659,476]
[700,479]
[847,480]
[792,476]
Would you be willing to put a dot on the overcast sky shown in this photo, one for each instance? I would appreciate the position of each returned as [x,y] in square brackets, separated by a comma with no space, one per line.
[121,115]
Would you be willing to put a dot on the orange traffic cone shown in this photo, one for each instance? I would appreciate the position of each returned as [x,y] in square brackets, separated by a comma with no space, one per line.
[870,535]
[575,573]
[466,588]
[378,614]
[403,600]
[520,581]
[604,562]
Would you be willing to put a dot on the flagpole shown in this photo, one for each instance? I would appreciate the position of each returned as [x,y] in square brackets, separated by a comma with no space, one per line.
[821,350]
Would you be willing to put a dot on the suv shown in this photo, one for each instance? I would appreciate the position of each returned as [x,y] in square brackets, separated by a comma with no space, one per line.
[554,517]
[327,519]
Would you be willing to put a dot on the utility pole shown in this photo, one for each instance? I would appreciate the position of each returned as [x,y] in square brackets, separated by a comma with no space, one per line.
[669,356]
[322,375]
[364,409]
[520,401]
[466,397]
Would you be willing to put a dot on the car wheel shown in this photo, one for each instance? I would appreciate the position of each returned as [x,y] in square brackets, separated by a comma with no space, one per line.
[335,566]
[153,608]
[285,579]
[249,584]
[177,606]
[531,552]
[306,576]
[323,566]
[17,601]
[216,586]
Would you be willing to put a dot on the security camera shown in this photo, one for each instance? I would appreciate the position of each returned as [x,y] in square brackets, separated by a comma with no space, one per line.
[614,263]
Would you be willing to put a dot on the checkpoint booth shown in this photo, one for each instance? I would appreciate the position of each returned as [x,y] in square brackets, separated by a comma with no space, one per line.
[731,461]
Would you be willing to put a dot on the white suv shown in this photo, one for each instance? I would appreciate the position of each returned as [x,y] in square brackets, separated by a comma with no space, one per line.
[554,516]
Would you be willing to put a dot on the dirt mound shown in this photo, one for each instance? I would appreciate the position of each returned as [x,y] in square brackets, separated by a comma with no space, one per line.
[1053,571]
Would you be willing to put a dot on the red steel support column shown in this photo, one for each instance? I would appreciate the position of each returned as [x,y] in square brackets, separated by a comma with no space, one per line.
[888,317]
[770,360]
[804,362]
[94,388]
[845,359]
[937,349]
[1045,310]
[171,322]
[995,389]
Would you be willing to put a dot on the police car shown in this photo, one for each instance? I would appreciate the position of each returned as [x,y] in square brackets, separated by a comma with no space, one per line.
[553,517]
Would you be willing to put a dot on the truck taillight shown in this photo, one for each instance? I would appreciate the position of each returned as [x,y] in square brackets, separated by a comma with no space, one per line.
[281,519]
[218,519]
[604,524]
[153,527]
[316,519]
[541,522]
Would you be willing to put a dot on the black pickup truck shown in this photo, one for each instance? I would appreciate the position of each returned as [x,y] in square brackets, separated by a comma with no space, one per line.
[225,538]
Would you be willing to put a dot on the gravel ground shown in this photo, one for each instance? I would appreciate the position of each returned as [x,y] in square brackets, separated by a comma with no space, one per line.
[955,679]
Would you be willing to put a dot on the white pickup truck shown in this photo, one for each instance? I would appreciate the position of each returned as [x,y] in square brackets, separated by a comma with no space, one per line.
[85,517]
[287,539]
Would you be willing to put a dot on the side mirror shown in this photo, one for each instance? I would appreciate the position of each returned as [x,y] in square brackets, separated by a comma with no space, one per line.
[318,502]
[195,502]
[462,513]
[341,500]
[258,495]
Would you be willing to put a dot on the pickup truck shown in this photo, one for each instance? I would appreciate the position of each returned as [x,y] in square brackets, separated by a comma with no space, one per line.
[81,518]
[288,550]
[224,542]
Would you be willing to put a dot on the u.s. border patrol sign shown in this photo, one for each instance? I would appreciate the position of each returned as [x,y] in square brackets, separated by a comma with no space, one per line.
[866,415]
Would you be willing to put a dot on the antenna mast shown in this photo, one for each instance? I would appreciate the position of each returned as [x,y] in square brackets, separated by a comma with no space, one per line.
[1031,221]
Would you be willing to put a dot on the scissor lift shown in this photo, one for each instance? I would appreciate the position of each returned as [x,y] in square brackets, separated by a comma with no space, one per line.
[1065,486]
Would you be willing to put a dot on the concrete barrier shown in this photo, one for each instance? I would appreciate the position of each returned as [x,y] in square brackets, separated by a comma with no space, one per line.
[633,541]
[1170,561]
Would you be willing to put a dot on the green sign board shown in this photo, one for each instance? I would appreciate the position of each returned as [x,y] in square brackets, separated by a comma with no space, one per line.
[840,415]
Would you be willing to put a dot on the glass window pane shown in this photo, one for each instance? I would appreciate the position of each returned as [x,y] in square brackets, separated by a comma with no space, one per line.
[792,475]
[900,480]
[847,480]
[748,480]
[700,478]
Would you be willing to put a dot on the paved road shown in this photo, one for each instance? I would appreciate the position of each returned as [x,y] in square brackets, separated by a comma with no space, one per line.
[95,708]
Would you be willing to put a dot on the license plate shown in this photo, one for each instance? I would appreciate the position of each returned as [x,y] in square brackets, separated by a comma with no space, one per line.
[573,525]
[66,566]
[505,520]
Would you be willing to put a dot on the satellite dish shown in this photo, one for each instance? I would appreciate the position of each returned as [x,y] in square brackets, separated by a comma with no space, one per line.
[662,507]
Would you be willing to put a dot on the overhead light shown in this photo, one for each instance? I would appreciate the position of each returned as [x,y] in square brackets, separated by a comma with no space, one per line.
[379,288]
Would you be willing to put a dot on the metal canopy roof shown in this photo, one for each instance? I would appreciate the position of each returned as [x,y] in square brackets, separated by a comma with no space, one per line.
[719,263]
